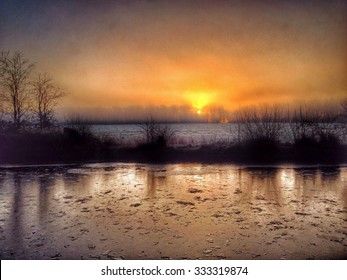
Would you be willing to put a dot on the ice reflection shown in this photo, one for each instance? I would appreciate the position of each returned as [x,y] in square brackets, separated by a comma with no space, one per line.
[15,215]
[45,207]
[287,178]
[263,184]
[155,179]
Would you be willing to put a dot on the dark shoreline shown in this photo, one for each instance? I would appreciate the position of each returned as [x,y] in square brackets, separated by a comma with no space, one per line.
[173,155]
[65,148]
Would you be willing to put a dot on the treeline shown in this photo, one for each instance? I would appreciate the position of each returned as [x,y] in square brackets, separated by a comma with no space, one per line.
[26,99]
[274,123]
[301,135]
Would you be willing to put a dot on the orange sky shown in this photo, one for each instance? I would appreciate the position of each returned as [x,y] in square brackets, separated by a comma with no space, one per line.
[184,53]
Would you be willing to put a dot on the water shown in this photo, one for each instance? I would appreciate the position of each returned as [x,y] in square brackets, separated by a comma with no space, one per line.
[185,134]
[142,211]
[197,134]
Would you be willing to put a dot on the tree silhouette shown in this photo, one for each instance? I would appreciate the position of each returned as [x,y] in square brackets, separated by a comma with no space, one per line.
[45,98]
[14,78]
[344,105]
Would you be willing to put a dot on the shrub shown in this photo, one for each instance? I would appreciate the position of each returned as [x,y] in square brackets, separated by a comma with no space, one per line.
[156,135]
[77,130]
[323,148]
[312,124]
[261,149]
[265,123]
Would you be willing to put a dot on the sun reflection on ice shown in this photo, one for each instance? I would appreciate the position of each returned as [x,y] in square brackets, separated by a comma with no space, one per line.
[287,178]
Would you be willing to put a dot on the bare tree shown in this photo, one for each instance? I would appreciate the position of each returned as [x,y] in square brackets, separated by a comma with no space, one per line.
[344,117]
[315,125]
[79,124]
[14,78]
[261,123]
[156,133]
[46,95]
[344,105]
[1,116]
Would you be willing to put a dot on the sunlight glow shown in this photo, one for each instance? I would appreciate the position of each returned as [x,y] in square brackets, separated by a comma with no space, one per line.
[200,99]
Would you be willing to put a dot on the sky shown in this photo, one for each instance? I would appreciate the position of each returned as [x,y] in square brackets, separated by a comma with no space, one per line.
[182,56]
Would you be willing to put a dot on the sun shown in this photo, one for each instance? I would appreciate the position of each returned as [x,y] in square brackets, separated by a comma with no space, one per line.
[199,100]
